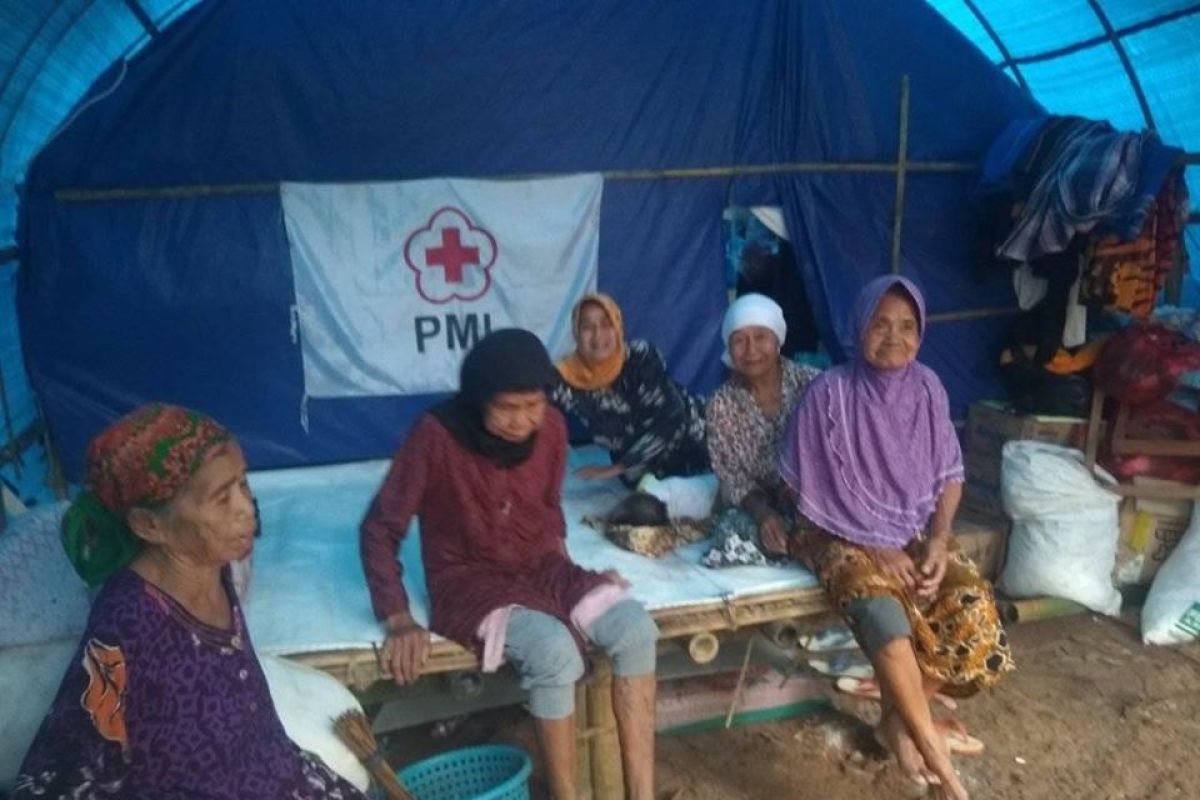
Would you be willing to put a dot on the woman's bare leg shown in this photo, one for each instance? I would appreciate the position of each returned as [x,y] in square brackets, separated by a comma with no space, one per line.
[633,704]
[905,701]
[557,738]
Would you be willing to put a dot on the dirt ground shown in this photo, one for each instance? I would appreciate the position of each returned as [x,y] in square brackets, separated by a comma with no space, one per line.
[1090,713]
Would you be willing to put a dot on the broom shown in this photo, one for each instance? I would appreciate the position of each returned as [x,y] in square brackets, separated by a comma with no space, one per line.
[354,731]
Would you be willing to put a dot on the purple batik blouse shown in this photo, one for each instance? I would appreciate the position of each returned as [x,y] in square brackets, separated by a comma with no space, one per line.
[157,705]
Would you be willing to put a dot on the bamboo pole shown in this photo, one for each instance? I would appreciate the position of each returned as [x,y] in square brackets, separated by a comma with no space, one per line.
[741,683]
[784,633]
[583,744]
[972,314]
[703,647]
[1036,608]
[177,192]
[608,780]
[901,176]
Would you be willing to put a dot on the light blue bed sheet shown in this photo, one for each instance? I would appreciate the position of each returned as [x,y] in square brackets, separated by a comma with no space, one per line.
[308,593]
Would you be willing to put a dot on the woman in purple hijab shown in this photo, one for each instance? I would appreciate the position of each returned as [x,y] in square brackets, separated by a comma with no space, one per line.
[874,465]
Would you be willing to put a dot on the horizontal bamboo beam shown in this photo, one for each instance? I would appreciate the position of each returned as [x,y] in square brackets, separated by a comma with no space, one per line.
[141,193]
[972,314]
[1146,492]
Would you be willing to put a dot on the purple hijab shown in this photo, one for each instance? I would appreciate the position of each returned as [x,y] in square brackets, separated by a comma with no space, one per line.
[868,451]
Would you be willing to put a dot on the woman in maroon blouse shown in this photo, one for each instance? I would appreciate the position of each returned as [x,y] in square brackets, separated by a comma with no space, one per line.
[483,472]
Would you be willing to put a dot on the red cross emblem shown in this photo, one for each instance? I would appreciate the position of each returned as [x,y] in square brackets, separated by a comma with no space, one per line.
[451,256]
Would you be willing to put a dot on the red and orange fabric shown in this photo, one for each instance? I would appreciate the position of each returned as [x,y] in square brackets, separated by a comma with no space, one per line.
[104,697]
[145,457]
[1127,276]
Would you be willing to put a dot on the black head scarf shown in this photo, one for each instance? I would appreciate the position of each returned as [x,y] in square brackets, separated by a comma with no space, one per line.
[510,360]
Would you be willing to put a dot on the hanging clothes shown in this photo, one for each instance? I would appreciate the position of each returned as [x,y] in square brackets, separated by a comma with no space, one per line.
[1128,276]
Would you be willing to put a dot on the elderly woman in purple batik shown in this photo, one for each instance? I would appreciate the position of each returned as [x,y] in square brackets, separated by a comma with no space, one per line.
[165,699]
[874,465]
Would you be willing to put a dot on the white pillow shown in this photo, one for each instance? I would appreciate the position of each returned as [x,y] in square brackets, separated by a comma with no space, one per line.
[691,497]
[307,701]
[29,680]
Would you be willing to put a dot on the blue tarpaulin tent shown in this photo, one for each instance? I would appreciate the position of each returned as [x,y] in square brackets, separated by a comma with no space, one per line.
[148,143]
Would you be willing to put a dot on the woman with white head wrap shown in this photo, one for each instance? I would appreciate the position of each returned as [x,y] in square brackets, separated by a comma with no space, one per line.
[746,418]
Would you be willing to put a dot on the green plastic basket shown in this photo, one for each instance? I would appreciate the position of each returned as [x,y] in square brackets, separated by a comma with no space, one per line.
[489,772]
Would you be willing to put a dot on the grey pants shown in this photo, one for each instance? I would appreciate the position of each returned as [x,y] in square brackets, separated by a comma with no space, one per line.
[876,621]
[546,657]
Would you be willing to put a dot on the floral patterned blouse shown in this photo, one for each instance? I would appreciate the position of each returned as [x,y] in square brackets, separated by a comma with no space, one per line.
[743,442]
[644,419]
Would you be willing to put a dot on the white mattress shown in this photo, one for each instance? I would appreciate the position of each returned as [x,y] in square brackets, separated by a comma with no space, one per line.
[308,593]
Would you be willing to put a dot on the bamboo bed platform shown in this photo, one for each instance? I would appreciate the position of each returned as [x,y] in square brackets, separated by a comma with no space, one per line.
[308,599]
[358,668]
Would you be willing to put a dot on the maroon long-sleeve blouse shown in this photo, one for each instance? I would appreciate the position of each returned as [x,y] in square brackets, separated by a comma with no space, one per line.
[490,536]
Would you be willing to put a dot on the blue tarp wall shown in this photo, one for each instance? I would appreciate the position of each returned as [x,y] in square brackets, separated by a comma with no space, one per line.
[188,298]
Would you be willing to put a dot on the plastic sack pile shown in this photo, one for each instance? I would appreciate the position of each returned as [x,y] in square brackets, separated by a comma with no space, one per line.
[1065,527]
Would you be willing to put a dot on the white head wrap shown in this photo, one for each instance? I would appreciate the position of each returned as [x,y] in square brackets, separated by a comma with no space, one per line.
[748,311]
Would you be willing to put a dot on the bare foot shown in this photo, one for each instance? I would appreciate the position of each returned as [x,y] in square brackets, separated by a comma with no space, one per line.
[936,757]
[930,763]
[894,737]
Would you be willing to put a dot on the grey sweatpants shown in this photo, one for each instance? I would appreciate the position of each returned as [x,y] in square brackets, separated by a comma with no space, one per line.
[546,657]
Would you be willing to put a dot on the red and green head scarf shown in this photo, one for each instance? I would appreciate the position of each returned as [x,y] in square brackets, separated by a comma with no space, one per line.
[140,461]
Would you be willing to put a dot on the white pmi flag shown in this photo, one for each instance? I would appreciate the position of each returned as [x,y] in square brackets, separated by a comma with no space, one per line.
[396,281]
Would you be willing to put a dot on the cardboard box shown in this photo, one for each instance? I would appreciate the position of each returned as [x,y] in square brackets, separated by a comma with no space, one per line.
[990,426]
[1150,529]
[983,537]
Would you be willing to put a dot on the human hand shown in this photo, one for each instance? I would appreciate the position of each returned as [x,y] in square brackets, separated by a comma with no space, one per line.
[772,532]
[595,472]
[933,566]
[406,648]
[897,564]
[617,578]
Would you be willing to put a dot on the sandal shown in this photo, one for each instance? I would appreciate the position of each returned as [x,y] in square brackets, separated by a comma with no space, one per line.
[868,689]
[850,664]
[958,741]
